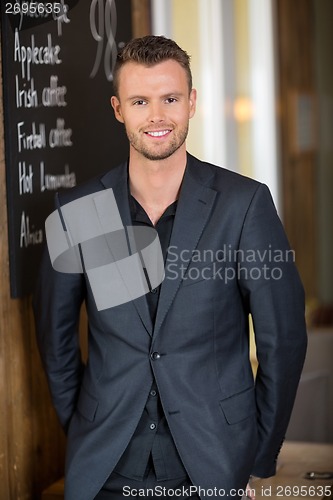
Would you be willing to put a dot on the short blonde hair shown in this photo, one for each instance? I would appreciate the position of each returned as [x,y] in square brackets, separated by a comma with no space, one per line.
[148,51]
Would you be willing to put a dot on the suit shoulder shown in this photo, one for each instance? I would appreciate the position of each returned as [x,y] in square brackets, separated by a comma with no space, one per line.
[93,185]
[234,179]
[222,178]
[81,190]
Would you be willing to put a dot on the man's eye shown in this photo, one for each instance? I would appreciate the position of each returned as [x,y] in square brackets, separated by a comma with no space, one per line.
[170,100]
[139,102]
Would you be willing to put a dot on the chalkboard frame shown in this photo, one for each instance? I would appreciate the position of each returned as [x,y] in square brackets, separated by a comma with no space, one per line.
[22,282]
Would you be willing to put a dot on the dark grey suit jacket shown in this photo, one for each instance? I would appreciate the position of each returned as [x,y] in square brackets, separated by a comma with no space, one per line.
[229,257]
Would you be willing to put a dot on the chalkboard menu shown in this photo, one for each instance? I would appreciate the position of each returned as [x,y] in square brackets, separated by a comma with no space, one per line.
[57,62]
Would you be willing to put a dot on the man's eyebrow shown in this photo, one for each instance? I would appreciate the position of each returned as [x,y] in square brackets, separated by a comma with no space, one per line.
[173,94]
[145,98]
[139,97]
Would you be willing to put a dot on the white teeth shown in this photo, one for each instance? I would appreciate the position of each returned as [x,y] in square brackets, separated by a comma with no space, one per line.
[158,134]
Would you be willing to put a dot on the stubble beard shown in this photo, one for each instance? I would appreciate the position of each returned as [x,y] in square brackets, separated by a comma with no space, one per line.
[155,155]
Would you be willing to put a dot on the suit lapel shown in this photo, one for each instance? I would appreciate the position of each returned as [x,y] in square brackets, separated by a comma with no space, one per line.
[117,179]
[194,207]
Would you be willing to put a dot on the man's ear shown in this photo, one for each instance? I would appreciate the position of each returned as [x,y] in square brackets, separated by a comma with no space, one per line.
[115,103]
[193,102]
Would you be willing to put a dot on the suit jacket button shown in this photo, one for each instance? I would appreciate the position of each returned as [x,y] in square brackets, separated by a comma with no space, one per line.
[155,355]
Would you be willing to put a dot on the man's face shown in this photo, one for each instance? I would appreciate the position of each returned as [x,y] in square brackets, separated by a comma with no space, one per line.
[155,105]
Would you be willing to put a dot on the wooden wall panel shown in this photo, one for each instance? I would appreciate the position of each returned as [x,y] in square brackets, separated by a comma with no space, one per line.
[32,443]
[141,17]
[4,466]
[295,36]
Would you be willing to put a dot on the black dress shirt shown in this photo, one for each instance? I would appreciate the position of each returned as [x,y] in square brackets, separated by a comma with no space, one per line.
[152,444]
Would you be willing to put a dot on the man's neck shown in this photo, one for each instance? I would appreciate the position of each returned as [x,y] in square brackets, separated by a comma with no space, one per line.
[156,184]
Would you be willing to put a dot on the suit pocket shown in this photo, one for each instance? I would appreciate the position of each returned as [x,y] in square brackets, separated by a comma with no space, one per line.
[87,405]
[239,406]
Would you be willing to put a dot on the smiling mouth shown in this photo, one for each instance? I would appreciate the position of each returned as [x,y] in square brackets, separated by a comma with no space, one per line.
[158,133]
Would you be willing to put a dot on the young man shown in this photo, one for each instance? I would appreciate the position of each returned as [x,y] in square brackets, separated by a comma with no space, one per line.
[167,398]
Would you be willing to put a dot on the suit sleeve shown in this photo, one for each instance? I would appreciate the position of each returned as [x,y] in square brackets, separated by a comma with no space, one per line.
[56,303]
[274,295]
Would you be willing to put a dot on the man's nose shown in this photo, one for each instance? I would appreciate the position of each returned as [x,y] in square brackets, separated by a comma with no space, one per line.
[156,112]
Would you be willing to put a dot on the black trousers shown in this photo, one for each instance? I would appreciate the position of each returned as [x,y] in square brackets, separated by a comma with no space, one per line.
[118,487]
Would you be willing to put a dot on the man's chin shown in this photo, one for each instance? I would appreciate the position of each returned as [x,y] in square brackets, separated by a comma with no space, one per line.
[158,155]
[155,157]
